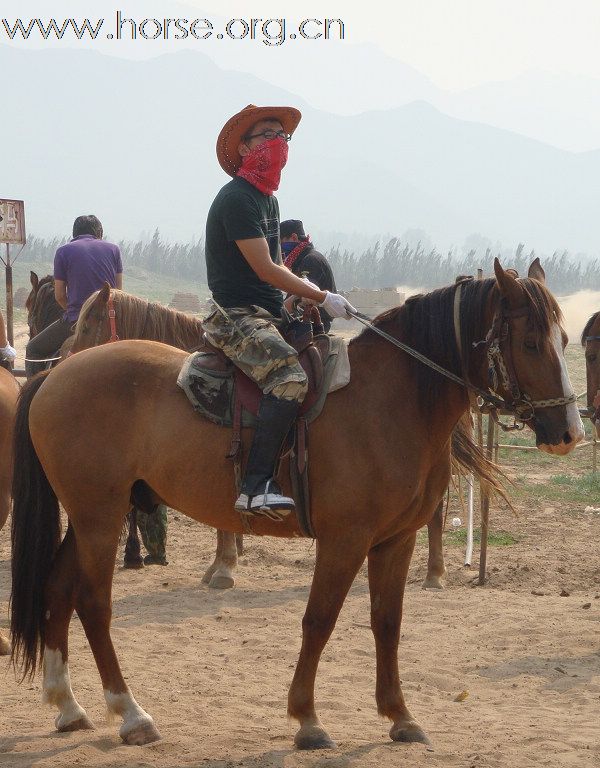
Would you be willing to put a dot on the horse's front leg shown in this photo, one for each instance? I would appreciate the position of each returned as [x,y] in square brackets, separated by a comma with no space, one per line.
[332,579]
[4,645]
[388,568]
[221,573]
[436,568]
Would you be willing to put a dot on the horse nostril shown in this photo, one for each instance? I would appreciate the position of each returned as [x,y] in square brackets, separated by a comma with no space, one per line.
[567,438]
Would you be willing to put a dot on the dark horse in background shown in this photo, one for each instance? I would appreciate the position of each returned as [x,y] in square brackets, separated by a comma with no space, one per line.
[590,341]
[380,464]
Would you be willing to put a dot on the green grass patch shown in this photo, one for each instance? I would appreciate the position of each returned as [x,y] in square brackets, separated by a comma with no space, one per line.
[495,538]
[581,489]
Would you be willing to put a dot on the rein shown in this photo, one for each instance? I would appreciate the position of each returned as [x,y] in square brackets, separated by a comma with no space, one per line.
[500,367]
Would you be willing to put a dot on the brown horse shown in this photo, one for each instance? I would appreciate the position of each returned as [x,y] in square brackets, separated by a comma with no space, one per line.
[136,318]
[112,419]
[590,341]
[9,392]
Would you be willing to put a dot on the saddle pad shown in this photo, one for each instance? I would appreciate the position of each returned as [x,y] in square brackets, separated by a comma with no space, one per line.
[211,391]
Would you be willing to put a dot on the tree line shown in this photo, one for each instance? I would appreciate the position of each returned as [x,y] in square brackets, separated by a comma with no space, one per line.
[379,266]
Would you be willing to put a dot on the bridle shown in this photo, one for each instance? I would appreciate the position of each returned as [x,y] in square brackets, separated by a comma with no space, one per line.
[112,319]
[500,367]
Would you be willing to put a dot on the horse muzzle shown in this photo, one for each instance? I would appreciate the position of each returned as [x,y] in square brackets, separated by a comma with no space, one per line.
[558,442]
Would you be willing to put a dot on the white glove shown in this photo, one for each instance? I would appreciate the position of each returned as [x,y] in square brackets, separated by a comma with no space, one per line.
[8,352]
[337,306]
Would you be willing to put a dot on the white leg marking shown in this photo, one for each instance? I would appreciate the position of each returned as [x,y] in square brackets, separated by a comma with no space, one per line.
[573,418]
[57,689]
[126,706]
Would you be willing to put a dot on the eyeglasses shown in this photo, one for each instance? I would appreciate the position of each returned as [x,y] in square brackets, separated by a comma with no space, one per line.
[270,135]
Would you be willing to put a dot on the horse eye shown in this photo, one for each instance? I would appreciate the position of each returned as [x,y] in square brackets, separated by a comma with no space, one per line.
[591,358]
[531,345]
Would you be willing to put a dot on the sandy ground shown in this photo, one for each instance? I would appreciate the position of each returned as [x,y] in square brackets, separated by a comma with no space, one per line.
[213,668]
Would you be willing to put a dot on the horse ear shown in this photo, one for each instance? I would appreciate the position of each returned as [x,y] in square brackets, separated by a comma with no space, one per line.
[104,294]
[34,280]
[507,282]
[536,271]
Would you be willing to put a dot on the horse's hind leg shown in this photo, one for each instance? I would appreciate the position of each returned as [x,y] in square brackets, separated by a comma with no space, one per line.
[59,602]
[4,645]
[220,574]
[388,568]
[133,552]
[331,582]
[97,554]
[436,569]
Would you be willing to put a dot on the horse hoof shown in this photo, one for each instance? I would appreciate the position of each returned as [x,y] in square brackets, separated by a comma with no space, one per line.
[433,582]
[4,646]
[140,734]
[221,582]
[313,737]
[409,732]
[81,724]
[208,575]
[133,565]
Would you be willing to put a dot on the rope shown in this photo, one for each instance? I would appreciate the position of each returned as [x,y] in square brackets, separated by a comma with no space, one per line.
[42,359]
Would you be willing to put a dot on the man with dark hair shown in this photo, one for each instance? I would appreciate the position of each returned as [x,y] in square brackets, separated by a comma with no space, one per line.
[247,278]
[300,256]
[81,267]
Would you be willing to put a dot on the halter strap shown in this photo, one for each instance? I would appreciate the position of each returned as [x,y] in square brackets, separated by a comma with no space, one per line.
[112,318]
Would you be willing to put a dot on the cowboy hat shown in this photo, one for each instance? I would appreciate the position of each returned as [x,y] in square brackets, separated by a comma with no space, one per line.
[238,126]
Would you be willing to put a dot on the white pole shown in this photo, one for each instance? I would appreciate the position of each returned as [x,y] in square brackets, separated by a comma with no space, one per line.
[469,552]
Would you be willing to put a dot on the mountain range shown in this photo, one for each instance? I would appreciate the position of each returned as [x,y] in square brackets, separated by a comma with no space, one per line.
[134,142]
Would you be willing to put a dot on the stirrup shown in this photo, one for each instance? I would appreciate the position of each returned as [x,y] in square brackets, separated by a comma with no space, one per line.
[269,504]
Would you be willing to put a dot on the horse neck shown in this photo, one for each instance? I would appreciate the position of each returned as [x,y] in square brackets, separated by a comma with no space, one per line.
[159,323]
[383,383]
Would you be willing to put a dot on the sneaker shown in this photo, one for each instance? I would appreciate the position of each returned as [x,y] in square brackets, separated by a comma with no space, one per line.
[270,503]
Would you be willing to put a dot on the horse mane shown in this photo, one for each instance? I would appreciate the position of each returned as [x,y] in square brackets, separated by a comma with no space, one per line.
[588,327]
[138,318]
[426,323]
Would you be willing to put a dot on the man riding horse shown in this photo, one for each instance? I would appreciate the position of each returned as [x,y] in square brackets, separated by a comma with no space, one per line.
[246,277]
[81,267]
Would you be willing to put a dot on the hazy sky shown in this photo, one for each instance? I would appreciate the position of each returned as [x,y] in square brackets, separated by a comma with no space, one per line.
[457,43]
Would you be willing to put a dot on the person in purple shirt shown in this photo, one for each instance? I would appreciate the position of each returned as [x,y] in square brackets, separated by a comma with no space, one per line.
[81,267]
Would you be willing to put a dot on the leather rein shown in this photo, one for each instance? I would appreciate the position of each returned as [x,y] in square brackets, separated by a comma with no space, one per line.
[500,367]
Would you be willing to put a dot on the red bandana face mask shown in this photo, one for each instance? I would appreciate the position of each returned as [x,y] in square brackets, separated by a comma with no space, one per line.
[262,167]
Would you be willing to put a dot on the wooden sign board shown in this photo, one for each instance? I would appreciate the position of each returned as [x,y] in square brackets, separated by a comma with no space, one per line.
[12,222]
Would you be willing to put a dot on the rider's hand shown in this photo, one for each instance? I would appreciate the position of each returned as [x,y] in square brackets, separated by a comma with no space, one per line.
[337,306]
[8,352]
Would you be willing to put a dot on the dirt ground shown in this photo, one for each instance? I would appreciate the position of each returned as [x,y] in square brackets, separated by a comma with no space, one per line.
[213,668]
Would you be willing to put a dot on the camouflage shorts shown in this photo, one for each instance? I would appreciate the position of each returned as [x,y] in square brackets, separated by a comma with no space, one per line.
[252,341]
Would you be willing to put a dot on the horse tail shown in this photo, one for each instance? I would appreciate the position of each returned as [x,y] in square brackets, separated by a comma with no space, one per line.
[35,538]
[468,457]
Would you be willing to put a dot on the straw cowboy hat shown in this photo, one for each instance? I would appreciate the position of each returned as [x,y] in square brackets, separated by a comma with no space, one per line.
[238,126]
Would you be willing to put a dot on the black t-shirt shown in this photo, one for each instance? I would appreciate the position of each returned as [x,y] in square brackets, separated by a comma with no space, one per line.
[320,273]
[241,212]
